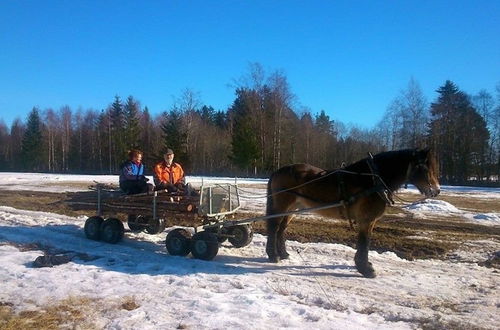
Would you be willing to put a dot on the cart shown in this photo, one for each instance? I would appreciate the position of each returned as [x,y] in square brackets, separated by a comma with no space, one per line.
[210,209]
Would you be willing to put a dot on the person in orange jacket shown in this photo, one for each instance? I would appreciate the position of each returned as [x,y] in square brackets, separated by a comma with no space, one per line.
[168,174]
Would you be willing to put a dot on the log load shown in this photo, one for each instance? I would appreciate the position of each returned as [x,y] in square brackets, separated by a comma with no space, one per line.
[167,204]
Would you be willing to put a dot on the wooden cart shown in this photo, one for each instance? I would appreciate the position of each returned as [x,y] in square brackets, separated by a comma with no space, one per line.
[209,209]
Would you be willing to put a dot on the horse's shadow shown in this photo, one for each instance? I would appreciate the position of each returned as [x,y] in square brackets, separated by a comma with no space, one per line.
[137,256]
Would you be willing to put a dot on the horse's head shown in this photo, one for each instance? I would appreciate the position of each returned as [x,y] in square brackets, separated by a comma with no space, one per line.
[423,172]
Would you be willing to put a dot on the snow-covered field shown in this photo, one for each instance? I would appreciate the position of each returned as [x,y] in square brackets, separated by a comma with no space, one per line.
[317,288]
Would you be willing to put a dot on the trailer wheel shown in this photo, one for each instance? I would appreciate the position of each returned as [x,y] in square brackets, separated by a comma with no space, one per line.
[133,222]
[178,242]
[112,230]
[221,234]
[92,228]
[241,235]
[204,245]
[155,226]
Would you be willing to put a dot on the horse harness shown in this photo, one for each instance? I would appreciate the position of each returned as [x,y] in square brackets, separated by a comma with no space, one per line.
[378,187]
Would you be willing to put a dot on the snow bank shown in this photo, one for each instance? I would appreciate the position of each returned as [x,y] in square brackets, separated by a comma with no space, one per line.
[442,208]
[433,205]
[318,287]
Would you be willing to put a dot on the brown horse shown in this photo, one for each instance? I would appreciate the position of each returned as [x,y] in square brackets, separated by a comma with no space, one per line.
[363,189]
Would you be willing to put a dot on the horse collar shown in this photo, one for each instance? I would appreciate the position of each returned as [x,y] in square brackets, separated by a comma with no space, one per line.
[385,193]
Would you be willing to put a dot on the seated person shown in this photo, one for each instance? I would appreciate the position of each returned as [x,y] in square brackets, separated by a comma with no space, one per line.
[169,175]
[132,179]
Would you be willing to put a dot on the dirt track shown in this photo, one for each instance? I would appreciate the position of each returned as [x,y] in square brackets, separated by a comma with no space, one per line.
[397,231]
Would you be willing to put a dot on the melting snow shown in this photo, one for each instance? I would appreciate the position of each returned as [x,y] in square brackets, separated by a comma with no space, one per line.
[318,287]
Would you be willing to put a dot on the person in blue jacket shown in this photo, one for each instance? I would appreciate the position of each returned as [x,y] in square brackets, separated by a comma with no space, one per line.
[132,179]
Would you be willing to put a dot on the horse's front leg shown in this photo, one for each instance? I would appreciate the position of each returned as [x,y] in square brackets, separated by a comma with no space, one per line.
[361,258]
[273,225]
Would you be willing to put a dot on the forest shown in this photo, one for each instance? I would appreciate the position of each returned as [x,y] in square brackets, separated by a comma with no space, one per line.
[262,130]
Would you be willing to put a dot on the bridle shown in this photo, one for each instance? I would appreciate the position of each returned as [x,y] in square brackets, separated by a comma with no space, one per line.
[413,168]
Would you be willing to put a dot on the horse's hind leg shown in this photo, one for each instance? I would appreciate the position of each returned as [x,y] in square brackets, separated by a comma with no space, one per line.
[361,258]
[281,241]
[273,226]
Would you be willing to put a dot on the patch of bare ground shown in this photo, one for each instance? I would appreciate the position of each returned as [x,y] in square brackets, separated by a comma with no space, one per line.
[70,313]
[399,231]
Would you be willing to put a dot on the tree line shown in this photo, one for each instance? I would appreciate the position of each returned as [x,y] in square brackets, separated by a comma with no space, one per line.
[261,131]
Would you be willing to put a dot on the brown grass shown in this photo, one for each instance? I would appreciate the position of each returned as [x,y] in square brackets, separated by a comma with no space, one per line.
[398,231]
[68,313]
[73,312]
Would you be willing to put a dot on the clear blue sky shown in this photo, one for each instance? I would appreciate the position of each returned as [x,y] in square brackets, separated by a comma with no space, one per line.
[349,58]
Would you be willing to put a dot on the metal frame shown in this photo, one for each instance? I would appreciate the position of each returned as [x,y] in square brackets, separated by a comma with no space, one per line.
[210,215]
[219,215]
[219,218]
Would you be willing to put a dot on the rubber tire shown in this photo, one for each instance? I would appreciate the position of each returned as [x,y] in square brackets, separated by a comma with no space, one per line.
[178,242]
[242,235]
[156,227]
[112,231]
[216,231]
[92,228]
[204,245]
[132,226]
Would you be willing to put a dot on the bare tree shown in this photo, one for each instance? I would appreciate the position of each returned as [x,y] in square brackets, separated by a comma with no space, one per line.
[66,116]
[405,121]
[52,125]
[282,98]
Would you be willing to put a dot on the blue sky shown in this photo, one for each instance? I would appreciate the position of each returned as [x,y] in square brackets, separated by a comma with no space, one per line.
[349,58]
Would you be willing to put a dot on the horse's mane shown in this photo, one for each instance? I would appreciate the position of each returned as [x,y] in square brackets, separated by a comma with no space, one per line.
[393,165]
[394,156]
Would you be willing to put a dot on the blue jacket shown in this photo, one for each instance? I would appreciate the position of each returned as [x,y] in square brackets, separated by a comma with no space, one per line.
[130,171]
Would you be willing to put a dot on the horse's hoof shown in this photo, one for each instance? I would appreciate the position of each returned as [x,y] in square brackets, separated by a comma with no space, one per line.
[284,256]
[369,274]
[274,259]
[367,270]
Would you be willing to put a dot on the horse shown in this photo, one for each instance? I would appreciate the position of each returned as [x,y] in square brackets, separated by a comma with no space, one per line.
[360,193]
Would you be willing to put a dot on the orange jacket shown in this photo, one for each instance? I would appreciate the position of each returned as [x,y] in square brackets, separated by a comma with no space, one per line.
[173,174]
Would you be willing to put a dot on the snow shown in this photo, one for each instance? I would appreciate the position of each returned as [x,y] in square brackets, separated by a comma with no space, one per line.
[442,208]
[433,205]
[76,182]
[318,287]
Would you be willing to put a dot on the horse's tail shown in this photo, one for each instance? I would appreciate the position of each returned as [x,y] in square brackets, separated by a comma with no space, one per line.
[269,205]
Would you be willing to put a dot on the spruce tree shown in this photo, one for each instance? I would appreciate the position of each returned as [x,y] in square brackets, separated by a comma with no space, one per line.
[458,134]
[32,152]
[132,129]
[244,141]
[118,147]
[174,136]
[146,134]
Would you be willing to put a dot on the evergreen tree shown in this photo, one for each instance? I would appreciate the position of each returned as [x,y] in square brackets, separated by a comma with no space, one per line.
[4,146]
[132,128]
[207,114]
[32,152]
[118,148]
[244,142]
[174,136]
[17,130]
[458,134]
[146,138]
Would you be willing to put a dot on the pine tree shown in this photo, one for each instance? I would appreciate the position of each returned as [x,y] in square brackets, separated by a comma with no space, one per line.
[32,152]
